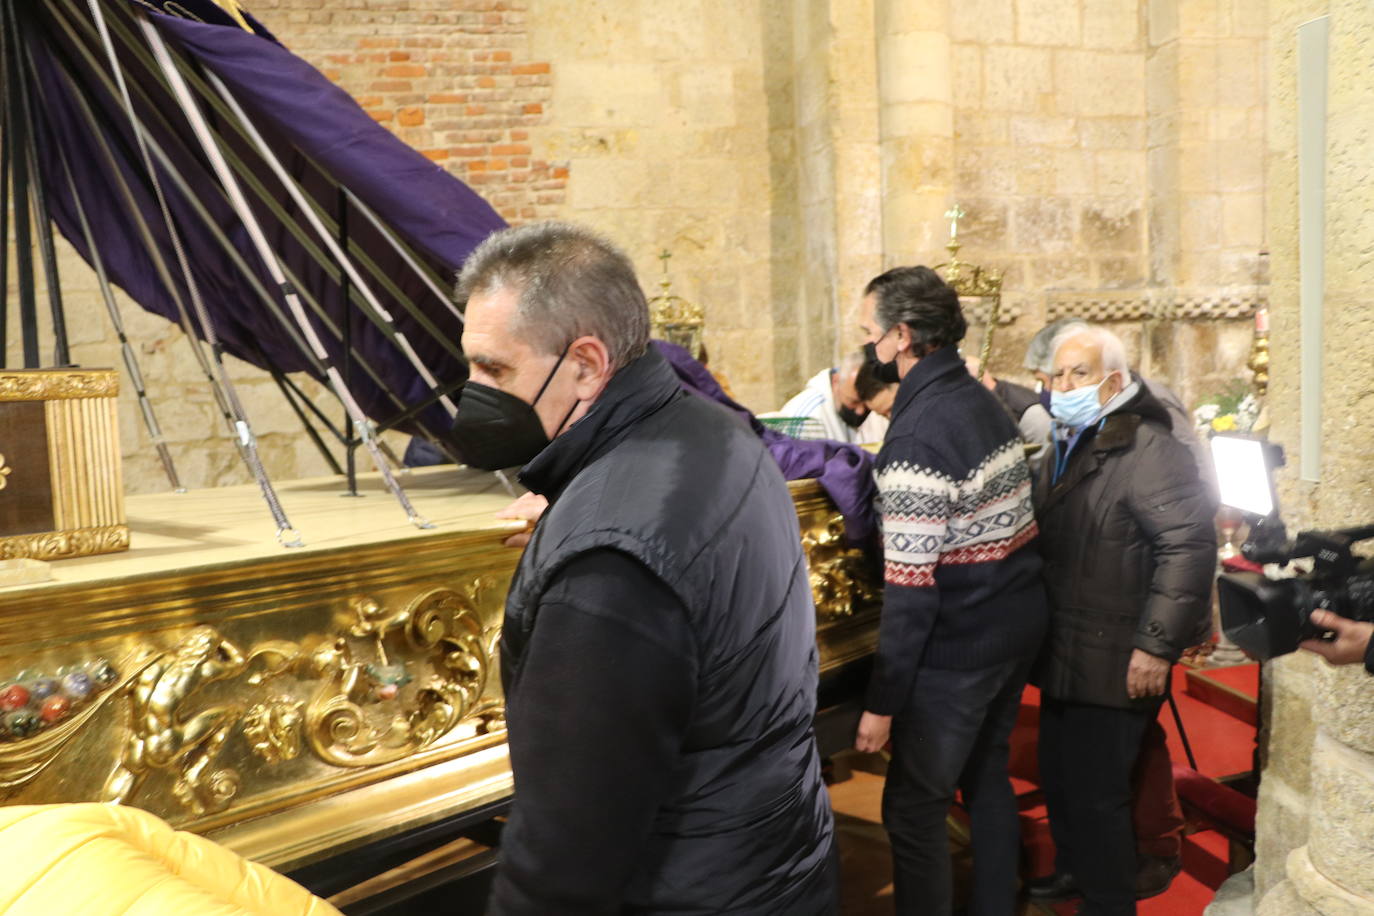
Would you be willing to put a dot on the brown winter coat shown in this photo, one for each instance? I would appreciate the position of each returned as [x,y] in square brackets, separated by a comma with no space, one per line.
[1129,551]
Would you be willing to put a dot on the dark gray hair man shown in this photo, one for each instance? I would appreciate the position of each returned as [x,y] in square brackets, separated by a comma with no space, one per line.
[658,652]
[963,606]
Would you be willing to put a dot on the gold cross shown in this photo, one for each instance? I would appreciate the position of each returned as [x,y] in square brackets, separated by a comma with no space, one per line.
[954,214]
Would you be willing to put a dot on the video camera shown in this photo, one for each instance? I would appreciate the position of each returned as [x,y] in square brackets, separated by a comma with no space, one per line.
[1269,617]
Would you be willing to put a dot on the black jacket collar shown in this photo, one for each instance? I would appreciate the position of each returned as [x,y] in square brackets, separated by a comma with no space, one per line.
[639,389]
[1118,430]
[930,368]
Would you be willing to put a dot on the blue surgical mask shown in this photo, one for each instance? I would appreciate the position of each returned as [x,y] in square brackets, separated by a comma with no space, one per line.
[1077,407]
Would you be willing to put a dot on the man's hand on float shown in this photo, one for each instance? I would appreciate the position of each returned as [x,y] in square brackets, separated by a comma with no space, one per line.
[1147,675]
[1351,642]
[874,732]
[527,509]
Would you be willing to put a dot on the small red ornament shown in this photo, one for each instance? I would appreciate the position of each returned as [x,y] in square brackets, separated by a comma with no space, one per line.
[55,707]
[13,697]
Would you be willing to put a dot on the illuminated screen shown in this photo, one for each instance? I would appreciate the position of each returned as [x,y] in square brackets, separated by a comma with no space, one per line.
[1243,474]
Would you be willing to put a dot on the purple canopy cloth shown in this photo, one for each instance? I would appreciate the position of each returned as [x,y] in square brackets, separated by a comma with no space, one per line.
[844,471]
[324,140]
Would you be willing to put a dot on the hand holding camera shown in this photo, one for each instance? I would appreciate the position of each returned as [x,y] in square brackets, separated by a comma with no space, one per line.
[1328,609]
[1349,639]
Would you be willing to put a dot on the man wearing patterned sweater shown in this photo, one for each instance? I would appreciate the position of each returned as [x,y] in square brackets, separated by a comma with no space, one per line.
[964,610]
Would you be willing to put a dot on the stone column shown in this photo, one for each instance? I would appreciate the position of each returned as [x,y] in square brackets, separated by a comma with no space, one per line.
[1316,812]
[858,161]
[916,127]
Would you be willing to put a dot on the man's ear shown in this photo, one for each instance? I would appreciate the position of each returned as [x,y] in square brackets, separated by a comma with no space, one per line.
[903,338]
[591,366]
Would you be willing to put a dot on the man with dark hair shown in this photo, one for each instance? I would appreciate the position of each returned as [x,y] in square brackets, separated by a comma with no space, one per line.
[964,610]
[876,394]
[658,652]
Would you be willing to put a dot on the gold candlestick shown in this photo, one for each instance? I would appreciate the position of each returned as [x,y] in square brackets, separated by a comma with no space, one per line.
[1259,353]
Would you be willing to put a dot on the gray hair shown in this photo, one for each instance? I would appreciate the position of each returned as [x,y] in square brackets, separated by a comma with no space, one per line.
[1040,353]
[1113,350]
[571,282]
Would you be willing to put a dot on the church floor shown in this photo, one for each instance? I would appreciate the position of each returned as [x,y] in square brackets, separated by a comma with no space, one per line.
[1222,744]
[866,865]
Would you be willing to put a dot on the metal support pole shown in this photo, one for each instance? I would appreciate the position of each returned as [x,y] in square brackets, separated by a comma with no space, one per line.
[46,249]
[23,241]
[289,392]
[4,208]
[230,184]
[214,368]
[350,438]
[349,277]
[1182,732]
[117,321]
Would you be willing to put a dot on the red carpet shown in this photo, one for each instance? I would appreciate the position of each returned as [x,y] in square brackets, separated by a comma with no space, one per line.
[1223,746]
[1234,690]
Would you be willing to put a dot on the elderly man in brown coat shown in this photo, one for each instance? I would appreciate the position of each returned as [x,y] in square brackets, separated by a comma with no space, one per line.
[1129,548]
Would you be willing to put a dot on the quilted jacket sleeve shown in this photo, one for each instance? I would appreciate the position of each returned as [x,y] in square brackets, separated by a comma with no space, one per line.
[112,860]
[1171,504]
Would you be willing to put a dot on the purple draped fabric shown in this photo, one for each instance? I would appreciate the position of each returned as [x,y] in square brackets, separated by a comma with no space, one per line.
[844,471]
[323,139]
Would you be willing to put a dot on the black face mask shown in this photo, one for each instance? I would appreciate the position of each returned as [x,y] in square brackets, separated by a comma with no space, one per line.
[883,372]
[851,417]
[495,429]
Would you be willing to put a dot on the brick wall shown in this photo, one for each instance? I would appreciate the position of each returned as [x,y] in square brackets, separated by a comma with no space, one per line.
[455,80]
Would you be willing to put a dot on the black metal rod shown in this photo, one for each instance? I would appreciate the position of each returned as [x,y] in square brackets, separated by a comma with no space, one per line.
[46,249]
[287,392]
[1182,732]
[23,240]
[4,206]
[310,405]
[188,193]
[210,97]
[415,409]
[140,53]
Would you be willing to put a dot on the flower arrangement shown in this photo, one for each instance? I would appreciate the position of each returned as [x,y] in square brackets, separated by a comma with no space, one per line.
[1234,410]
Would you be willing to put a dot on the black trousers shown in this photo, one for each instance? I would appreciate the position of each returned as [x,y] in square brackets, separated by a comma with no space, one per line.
[952,735]
[1087,753]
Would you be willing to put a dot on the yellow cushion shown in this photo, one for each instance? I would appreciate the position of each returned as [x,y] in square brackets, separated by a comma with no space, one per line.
[113,860]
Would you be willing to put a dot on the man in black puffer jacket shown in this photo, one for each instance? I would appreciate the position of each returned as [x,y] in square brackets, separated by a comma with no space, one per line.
[1129,547]
[658,654]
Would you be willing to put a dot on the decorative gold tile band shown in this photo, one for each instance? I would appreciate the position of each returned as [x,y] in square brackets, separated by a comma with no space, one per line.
[83,453]
[1169,303]
[54,384]
[59,545]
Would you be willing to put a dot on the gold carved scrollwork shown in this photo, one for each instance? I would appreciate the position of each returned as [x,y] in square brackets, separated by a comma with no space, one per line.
[386,684]
[273,729]
[841,579]
[57,545]
[341,725]
[5,471]
[164,736]
[52,385]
